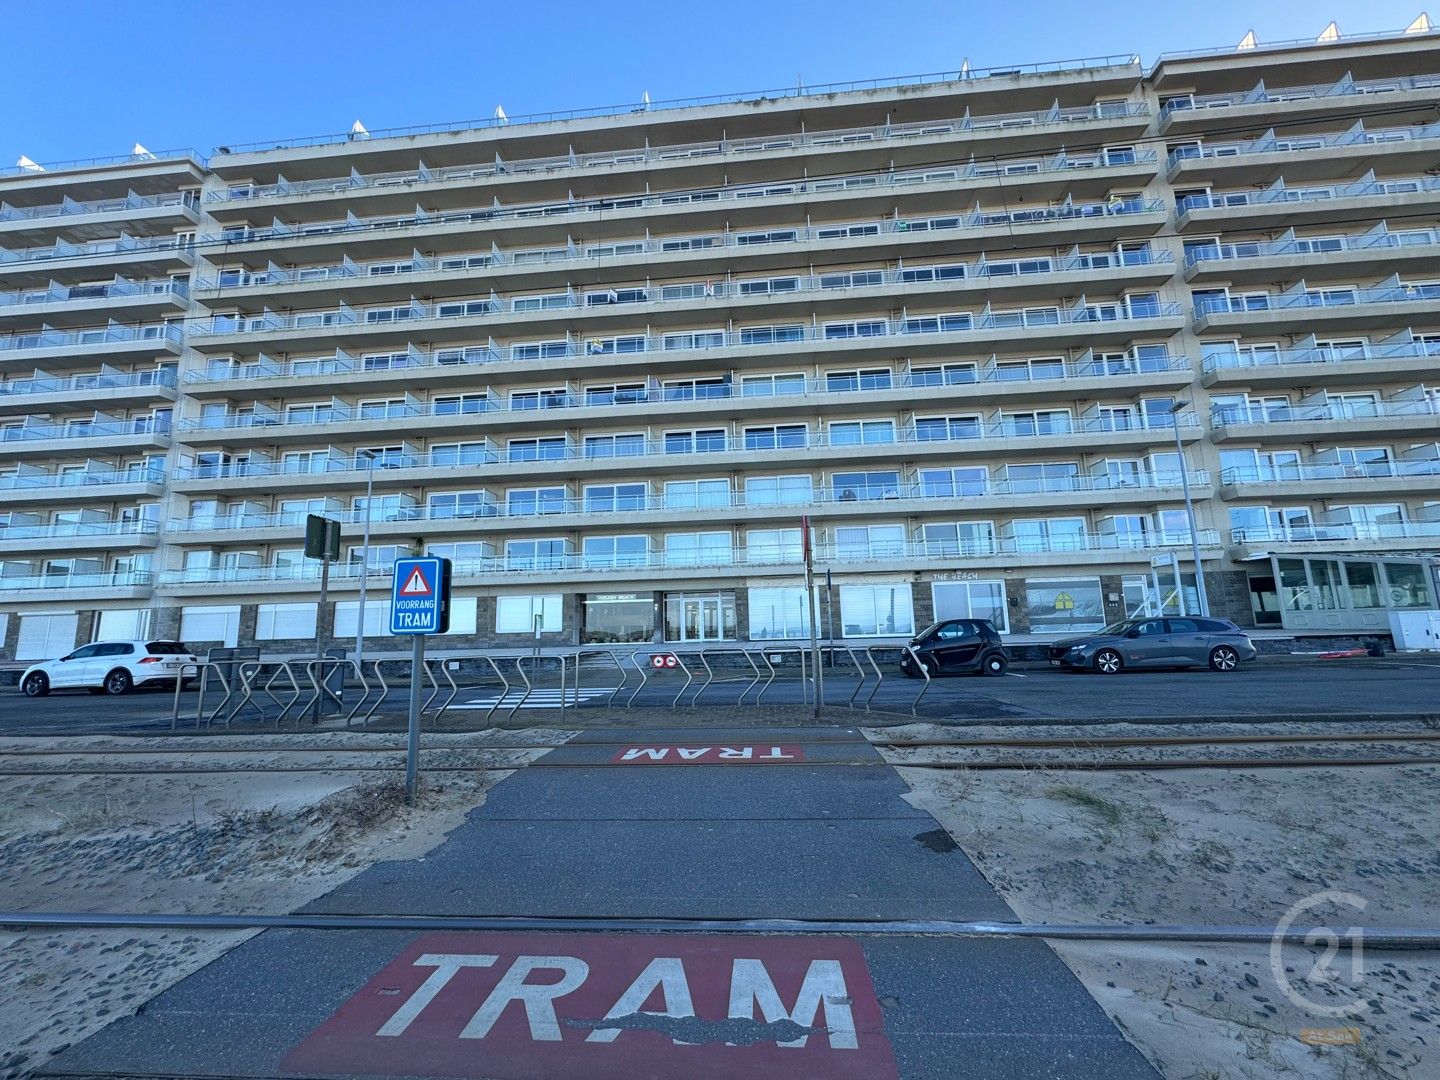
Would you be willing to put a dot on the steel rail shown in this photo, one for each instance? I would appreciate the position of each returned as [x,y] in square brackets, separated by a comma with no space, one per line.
[1368,937]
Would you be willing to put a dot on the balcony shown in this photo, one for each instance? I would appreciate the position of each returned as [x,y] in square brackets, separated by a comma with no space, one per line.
[1194,112]
[903,556]
[152,214]
[1329,204]
[106,585]
[1321,309]
[36,437]
[1008,132]
[1349,537]
[987,381]
[141,256]
[1327,420]
[1315,479]
[832,502]
[395,239]
[640,453]
[78,535]
[1376,361]
[74,348]
[110,386]
[77,305]
[1311,157]
[1263,261]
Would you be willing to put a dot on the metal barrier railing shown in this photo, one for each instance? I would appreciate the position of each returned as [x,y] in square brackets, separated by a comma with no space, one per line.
[753,678]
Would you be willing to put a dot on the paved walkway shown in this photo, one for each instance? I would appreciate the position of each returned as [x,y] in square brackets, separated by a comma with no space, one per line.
[716,837]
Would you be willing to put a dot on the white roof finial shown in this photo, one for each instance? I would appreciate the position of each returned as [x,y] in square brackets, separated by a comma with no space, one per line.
[1249,41]
[358,131]
[140,152]
[500,116]
[1421,25]
[28,165]
[1329,34]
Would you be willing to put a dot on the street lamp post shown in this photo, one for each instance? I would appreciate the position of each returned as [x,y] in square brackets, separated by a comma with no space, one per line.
[1200,593]
[365,557]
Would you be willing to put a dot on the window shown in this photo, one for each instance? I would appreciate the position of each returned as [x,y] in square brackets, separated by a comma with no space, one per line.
[285,622]
[778,614]
[612,498]
[608,446]
[853,486]
[876,611]
[1047,477]
[771,335]
[862,432]
[210,624]
[958,538]
[855,329]
[863,379]
[609,552]
[706,440]
[1041,422]
[699,549]
[520,614]
[953,483]
[935,324]
[777,437]
[773,545]
[614,394]
[943,375]
[536,554]
[971,600]
[709,389]
[1049,534]
[524,502]
[1064,605]
[461,453]
[459,405]
[778,490]
[943,428]
[526,400]
[549,449]
[695,494]
[772,385]
[458,504]
[869,541]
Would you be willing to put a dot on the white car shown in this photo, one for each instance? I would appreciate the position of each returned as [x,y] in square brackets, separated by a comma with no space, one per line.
[110,667]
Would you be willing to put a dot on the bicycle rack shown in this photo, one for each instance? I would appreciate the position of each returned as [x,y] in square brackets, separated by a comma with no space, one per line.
[246,671]
[879,676]
[520,670]
[710,673]
[315,671]
[644,678]
[445,663]
[428,667]
[282,667]
[202,669]
[766,654]
[915,658]
[364,692]
[859,670]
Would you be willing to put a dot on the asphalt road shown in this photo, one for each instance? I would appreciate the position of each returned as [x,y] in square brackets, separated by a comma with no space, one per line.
[1265,690]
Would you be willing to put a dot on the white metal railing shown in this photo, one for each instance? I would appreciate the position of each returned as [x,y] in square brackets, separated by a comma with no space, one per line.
[1269,143]
[55,293]
[1335,533]
[1305,471]
[1261,94]
[1317,297]
[70,208]
[27,480]
[1349,411]
[117,380]
[123,245]
[1322,354]
[72,529]
[50,338]
[1364,188]
[103,579]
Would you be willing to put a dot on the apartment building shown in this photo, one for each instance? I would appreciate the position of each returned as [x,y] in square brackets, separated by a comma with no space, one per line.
[982,331]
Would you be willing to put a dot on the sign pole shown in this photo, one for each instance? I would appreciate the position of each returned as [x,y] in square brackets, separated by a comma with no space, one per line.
[412,736]
[812,610]
[319,637]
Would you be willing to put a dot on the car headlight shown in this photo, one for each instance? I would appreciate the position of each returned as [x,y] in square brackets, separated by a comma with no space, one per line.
[1076,649]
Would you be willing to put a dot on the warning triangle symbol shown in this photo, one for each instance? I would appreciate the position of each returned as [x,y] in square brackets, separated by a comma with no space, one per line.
[417,585]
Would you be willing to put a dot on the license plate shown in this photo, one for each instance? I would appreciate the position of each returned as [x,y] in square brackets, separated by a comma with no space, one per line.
[1054,663]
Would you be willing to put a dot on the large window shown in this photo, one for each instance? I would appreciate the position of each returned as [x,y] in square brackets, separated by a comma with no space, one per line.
[696,494]
[700,616]
[1063,605]
[210,624]
[778,490]
[609,498]
[699,549]
[852,486]
[773,545]
[605,552]
[279,622]
[971,600]
[518,614]
[618,617]
[778,614]
[876,610]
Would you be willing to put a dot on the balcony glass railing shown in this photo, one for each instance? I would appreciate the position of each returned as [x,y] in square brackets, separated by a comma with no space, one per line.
[287,234]
[1324,355]
[104,579]
[48,338]
[1317,298]
[1271,144]
[487,452]
[1358,189]
[124,245]
[1108,112]
[1351,411]
[591,506]
[26,481]
[70,208]
[120,288]
[72,529]
[1327,245]
[85,429]
[1337,533]
[639,562]
[1278,95]
[119,380]
[1299,473]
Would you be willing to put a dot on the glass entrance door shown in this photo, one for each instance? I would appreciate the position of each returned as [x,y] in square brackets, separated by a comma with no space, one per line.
[700,619]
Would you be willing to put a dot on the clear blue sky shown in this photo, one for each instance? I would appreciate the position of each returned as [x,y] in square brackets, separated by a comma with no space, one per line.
[91,79]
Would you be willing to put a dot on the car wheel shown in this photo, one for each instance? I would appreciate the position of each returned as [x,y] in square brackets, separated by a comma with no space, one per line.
[1108,662]
[931,667]
[35,685]
[1224,658]
[118,682]
[995,664]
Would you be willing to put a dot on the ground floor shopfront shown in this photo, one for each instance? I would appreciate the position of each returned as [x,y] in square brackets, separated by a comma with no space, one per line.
[1304,594]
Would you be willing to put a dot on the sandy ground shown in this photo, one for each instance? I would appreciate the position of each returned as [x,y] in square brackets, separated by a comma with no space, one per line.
[252,843]
[1220,847]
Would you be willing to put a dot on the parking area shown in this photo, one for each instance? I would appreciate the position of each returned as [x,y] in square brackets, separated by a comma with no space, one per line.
[1268,689]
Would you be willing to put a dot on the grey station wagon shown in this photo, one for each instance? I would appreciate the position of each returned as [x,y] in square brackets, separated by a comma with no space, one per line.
[1156,643]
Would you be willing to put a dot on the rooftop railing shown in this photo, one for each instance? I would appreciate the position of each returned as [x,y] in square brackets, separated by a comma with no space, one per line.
[119,380]
[964,76]
[1231,52]
[1305,471]
[181,155]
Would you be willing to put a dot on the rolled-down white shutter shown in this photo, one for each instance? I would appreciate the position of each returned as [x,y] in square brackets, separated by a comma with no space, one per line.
[45,637]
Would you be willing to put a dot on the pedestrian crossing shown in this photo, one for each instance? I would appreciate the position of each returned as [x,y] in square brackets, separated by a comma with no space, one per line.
[540,698]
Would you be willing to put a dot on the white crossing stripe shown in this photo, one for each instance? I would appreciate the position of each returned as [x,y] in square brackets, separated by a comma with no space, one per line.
[540,698]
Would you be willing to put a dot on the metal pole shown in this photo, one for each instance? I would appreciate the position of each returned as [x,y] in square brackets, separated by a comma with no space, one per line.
[364,562]
[1179,584]
[1189,518]
[412,742]
[319,636]
[813,610]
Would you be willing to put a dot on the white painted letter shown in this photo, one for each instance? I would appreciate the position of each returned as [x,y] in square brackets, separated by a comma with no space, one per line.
[539,1000]
[665,972]
[776,754]
[653,755]
[691,755]
[750,985]
[743,752]
[446,965]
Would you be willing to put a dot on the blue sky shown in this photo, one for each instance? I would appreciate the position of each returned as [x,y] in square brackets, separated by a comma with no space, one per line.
[93,79]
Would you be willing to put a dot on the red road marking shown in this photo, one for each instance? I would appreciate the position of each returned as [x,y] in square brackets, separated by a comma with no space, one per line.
[509,1006]
[707,755]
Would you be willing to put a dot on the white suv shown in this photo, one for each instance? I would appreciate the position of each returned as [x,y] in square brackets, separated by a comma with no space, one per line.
[110,667]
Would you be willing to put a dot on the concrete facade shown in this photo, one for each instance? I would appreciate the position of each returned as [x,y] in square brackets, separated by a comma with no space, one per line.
[607,363]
